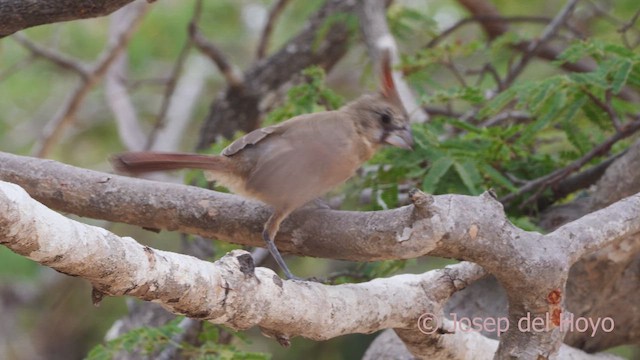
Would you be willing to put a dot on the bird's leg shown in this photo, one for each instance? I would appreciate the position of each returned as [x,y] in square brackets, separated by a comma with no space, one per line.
[269,234]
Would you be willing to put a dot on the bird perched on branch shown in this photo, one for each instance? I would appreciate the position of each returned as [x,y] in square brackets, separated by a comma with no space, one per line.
[289,164]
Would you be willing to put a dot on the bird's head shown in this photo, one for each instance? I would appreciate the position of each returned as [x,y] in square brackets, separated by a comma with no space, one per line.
[381,118]
[381,121]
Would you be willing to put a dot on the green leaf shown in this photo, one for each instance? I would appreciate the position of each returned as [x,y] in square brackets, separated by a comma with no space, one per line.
[634,76]
[496,176]
[590,79]
[542,93]
[469,175]
[596,115]
[621,75]
[435,173]
[618,50]
[577,137]
[465,126]
[498,102]
[547,112]
[576,104]
[576,51]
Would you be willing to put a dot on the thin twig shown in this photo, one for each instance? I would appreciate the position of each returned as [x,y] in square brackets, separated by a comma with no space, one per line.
[274,14]
[577,181]
[552,178]
[629,24]
[168,94]
[54,129]
[485,18]
[451,65]
[59,59]
[491,70]
[172,81]
[433,111]
[535,45]
[233,77]
[624,31]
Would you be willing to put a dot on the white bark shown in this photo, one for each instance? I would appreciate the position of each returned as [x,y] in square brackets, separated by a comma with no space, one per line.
[531,267]
[230,291]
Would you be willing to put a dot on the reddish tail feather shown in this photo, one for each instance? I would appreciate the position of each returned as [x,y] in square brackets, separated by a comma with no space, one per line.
[141,162]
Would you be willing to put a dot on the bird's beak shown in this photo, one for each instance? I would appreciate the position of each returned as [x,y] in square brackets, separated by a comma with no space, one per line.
[402,138]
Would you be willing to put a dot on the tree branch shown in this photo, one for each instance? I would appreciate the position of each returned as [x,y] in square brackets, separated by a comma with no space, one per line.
[231,291]
[241,109]
[274,14]
[16,15]
[233,77]
[461,345]
[59,59]
[66,115]
[546,51]
[534,46]
[454,226]
[557,175]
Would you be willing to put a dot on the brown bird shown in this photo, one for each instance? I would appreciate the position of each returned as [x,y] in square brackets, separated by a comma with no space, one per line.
[289,164]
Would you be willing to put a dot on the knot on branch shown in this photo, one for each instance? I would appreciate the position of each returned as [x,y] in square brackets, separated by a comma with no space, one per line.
[422,203]
[239,261]
[490,197]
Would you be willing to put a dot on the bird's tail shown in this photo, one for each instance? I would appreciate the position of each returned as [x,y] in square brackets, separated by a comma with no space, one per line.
[148,161]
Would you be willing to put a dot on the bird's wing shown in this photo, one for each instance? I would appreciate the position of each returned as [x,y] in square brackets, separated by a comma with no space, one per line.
[251,138]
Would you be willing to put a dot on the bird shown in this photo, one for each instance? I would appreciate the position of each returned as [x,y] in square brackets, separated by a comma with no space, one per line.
[292,163]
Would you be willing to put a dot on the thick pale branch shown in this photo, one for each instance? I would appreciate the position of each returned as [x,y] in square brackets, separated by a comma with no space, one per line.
[449,225]
[435,228]
[230,291]
[462,227]
[457,346]
[619,221]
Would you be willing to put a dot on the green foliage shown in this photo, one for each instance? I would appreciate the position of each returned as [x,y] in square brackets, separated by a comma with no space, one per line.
[145,340]
[150,340]
[404,22]
[565,122]
[310,96]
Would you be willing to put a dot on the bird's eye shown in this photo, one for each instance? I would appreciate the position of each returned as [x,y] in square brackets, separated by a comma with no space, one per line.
[385,118]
